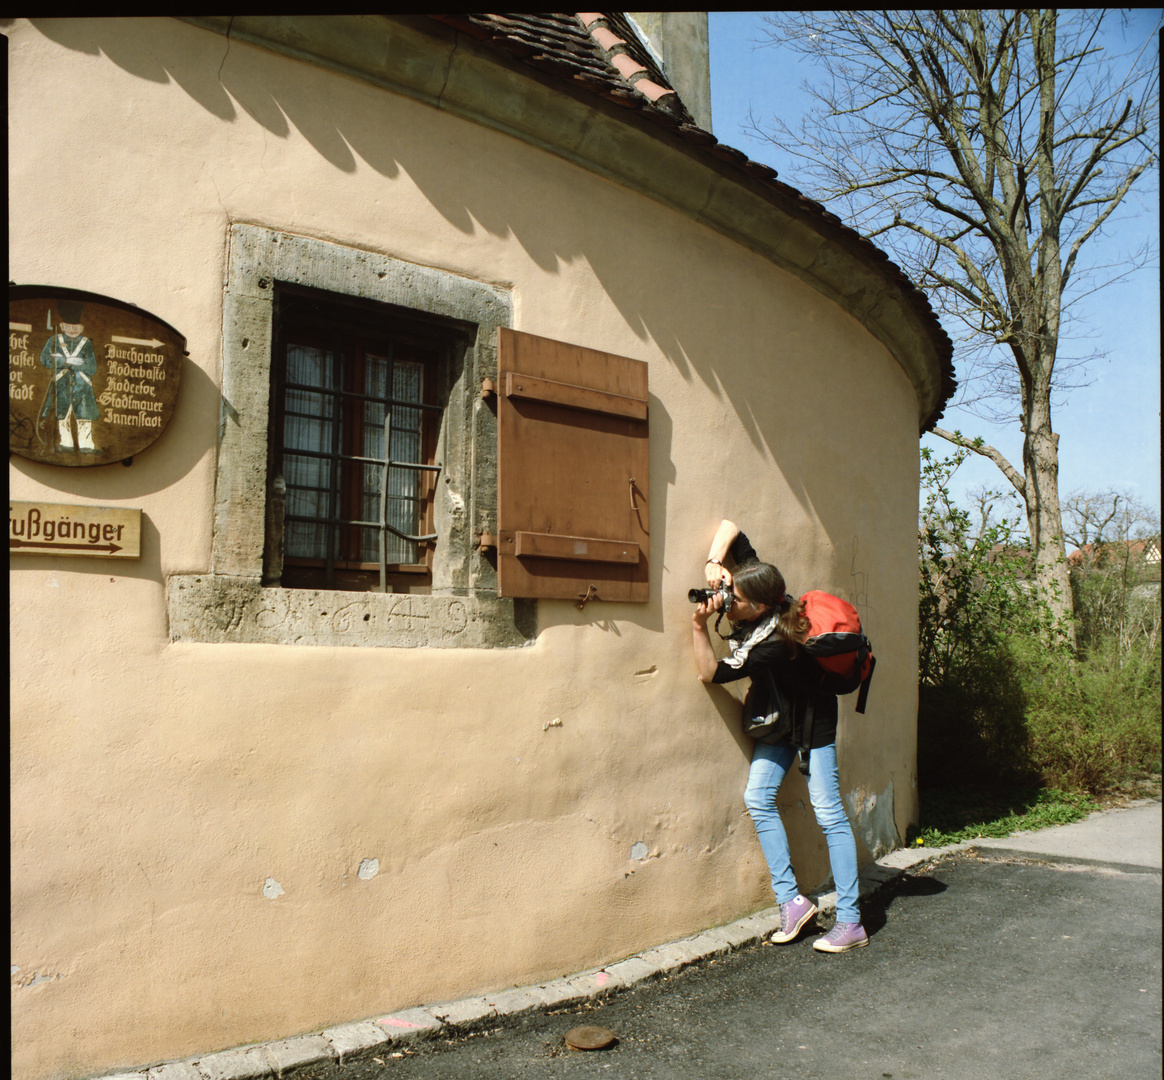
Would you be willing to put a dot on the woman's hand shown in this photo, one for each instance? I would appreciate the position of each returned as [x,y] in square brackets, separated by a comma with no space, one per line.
[717,575]
[707,608]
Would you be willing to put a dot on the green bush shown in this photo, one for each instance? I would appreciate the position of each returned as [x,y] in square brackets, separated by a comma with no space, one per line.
[1094,724]
[1003,704]
[1024,715]
[972,727]
[973,597]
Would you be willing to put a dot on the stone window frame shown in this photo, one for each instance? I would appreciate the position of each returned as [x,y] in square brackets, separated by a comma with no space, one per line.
[230,603]
[359,333]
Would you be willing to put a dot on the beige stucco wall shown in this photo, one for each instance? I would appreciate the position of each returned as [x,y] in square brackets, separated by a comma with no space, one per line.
[156,786]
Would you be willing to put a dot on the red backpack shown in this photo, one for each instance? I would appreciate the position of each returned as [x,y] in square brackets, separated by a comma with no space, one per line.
[842,653]
[836,643]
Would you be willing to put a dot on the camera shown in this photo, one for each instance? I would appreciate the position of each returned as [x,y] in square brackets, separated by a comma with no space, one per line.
[702,596]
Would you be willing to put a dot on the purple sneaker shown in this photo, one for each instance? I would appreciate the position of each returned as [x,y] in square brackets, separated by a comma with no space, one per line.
[843,936]
[793,916]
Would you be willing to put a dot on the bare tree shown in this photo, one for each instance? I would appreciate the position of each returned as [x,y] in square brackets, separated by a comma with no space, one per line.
[994,509]
[986,148]
[1116,536]
[1092,519]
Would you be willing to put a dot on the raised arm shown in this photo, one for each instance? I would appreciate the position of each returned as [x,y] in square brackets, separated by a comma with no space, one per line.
[705,658]
[725,536]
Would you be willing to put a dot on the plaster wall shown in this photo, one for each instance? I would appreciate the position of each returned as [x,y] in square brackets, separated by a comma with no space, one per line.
[189,820]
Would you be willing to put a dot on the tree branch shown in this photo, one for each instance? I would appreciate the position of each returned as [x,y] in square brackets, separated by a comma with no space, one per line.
[979,447]
[969,268]
[1114,201]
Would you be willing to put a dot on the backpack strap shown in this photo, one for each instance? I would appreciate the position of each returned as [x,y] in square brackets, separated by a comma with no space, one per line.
[806,738]
[864,691]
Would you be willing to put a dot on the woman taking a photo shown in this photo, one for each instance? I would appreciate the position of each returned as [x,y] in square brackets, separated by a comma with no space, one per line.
[769,627]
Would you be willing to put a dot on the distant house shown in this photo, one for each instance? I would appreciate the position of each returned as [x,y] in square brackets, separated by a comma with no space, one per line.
[486,332]
[1142,555]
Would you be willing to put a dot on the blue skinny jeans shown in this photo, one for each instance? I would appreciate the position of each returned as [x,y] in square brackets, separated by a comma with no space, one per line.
[770,764]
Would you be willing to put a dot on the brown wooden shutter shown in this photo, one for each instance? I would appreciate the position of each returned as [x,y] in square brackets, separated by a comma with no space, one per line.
[572,491]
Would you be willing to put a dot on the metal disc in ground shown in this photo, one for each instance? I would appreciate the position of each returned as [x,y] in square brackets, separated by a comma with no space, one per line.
[589,1038]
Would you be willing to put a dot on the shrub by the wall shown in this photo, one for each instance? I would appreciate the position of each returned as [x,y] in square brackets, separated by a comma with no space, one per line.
[1002,702]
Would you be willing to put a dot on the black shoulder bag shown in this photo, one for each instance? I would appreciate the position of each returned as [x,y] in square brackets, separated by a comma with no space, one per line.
[781,724]
[776,723]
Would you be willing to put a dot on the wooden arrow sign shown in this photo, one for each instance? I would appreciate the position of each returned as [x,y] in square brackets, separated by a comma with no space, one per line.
[104,532]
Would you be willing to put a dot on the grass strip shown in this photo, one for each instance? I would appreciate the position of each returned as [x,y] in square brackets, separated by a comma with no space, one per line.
[952,817]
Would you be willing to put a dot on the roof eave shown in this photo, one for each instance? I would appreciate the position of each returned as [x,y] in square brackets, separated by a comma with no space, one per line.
[625,138]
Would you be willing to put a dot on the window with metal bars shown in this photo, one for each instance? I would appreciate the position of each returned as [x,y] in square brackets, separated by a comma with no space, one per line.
[356,410]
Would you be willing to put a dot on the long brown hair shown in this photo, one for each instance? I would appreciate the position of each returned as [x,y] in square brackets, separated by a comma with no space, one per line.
[762,583]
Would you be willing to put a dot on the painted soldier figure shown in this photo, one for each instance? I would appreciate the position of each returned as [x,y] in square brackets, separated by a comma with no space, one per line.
[70,357]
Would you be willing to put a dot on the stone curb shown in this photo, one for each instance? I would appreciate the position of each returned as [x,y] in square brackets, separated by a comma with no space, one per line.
[339,1045]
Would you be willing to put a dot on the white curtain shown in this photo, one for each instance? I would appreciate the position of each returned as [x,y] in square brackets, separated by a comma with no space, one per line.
[311,481]
[402,505]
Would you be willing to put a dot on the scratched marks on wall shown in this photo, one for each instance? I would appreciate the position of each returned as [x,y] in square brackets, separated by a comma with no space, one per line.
[248,612]
[281,612]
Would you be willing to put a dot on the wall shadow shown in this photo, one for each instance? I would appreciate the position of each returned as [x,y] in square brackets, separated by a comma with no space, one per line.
[874,909]
[220,78]
[223,77]
[188,438]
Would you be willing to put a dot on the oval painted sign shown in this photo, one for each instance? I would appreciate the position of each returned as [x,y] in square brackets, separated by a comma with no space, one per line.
[91,380]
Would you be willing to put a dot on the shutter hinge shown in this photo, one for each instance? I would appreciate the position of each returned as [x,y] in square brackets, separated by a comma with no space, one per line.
[487,540]
[488,387]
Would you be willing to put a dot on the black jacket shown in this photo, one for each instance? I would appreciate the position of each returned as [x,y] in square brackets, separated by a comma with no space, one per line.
[796,679]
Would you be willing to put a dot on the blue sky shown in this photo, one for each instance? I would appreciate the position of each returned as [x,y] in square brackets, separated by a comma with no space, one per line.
[1110,430]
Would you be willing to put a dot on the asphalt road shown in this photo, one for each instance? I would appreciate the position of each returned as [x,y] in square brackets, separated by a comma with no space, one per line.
[978,968]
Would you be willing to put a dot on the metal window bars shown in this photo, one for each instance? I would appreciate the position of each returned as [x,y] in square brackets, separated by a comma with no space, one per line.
[336,457]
